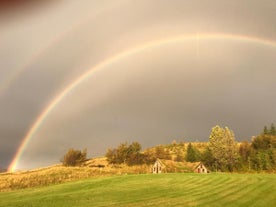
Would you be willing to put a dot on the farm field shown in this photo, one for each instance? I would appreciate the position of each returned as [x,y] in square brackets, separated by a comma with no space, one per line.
[152,190]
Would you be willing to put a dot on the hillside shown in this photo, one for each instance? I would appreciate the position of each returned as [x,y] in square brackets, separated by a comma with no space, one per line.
[97,167]
[152,190]
[92,168]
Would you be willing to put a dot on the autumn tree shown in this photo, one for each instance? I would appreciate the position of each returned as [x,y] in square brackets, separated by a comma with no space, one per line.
[126,154]
[74,157]
[223,148]
[179,156]
[162,153]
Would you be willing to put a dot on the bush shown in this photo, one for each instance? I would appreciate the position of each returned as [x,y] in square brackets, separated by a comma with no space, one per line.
[74,157]
[127,154]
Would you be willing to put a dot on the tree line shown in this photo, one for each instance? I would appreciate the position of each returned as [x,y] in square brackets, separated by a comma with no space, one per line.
[221,153]
[224,154]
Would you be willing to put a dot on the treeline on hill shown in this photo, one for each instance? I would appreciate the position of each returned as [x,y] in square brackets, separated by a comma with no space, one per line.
[221,153]
[131,154]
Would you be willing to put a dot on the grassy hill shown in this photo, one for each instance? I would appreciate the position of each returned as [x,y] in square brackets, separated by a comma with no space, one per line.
[96,167]
[93,168]
[152,190]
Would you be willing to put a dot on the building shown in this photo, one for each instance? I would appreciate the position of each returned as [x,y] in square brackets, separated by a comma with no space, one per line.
[200,168]
[157,167]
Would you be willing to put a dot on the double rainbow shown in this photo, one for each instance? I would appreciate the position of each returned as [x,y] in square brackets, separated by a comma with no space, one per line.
[117,57]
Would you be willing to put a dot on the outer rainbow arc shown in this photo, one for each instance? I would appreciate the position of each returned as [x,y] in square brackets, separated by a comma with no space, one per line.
[41,118]
[7,81]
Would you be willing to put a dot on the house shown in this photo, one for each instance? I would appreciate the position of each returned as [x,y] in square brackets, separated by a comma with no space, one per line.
[157,167]
[200,168]
[170,166]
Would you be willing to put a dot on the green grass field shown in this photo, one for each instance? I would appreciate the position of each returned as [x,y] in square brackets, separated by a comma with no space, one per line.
[152,190]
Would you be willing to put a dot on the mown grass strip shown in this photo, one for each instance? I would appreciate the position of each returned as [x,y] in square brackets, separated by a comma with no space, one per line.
[152,190]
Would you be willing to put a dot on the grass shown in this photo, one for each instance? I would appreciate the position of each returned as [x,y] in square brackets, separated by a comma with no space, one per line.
[152,190]
[58,174]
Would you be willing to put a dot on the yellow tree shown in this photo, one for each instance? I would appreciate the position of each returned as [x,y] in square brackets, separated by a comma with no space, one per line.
[223,148]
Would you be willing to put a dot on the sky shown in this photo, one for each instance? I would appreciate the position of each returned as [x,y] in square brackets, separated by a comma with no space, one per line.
[95,73]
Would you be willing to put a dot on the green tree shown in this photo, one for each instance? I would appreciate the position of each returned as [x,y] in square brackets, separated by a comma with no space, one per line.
[272,130]
[208,159]
[224,148]
[265,131]
[74,157]
[134,155]
[264,151]
[193,155]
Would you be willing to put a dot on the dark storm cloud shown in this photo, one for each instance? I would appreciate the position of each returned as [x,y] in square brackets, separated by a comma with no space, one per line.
[162,101]
[151,107]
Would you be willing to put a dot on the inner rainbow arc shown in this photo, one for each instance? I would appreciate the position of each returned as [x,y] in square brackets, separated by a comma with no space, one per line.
[109,61]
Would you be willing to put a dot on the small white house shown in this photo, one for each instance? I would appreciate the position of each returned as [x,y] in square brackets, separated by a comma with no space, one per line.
[157,167]
[200,168]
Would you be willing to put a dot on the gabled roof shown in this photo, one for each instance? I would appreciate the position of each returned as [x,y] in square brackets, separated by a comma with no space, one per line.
[199,163]
[173,166]
[158,160]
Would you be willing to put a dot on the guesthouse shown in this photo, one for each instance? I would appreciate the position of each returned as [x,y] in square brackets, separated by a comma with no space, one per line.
[157,167]
[200,168]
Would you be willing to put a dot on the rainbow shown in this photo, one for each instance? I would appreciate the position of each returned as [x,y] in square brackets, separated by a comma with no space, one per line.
[117,57]
[51,43]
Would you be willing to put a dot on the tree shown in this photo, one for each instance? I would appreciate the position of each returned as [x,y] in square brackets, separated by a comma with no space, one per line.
[264,142]
[208,159]
[134,155]
[161,153]
[125,153]
[223,148]
[265,131]
[272,130]
[74,157]
[264,151]
[193,155]
[179,156]
[244,150]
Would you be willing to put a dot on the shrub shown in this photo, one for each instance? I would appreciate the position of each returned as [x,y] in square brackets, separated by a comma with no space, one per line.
[74,157]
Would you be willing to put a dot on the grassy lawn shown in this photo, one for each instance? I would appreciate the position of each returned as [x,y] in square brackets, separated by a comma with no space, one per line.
[152,190]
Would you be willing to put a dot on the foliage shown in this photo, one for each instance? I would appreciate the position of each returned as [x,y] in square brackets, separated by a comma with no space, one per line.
[208,159]
[263,155]
[264,142]
[127,154]
[74,157]
[179,157]
[162,153]
[224,148]
[271,131]
[193,155]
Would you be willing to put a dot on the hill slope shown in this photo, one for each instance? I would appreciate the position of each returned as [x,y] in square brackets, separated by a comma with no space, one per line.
[152,190]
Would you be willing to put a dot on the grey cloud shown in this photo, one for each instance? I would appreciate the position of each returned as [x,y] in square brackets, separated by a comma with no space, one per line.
[164,93]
